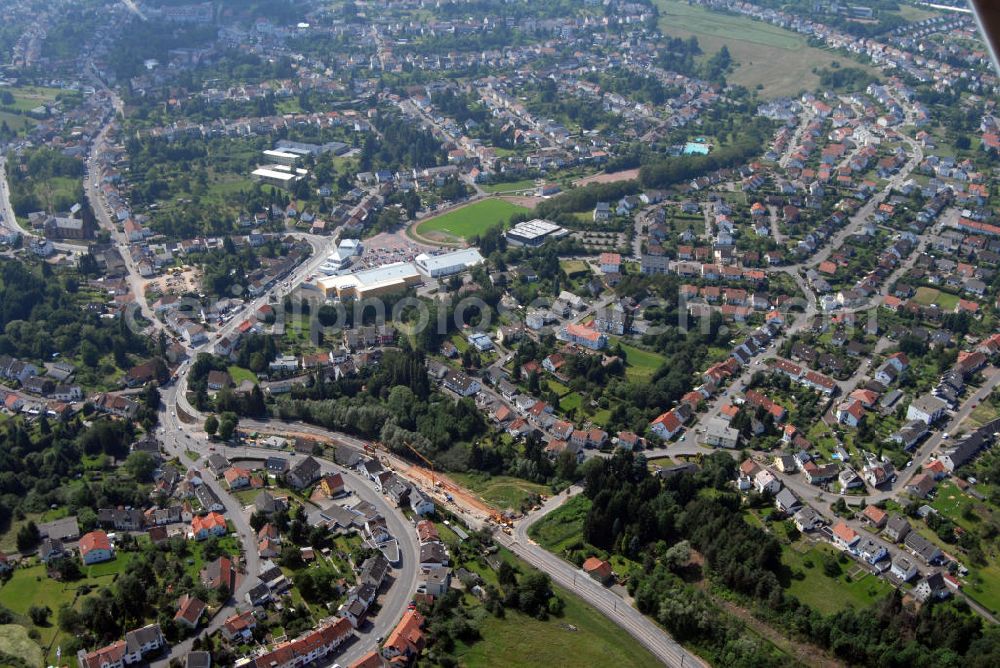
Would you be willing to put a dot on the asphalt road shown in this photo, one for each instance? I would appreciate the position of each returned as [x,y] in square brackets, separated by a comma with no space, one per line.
[176,440]
[404,577]
[640,627]
[180,436]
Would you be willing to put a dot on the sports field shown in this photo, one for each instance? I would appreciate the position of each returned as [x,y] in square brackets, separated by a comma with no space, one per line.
[775,58]
[467,221]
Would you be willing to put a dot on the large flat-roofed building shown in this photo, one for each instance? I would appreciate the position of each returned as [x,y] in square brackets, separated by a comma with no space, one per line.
[303,148]
[534,232]
[448,263]
[281,157]
[371,283]
[274,177]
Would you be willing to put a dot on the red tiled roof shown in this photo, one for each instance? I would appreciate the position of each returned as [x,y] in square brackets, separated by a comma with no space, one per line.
[95,540]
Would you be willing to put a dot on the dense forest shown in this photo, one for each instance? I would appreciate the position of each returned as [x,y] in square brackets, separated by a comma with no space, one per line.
[657,523]
[403,144]
[40,316]
[395,404]
[39,465]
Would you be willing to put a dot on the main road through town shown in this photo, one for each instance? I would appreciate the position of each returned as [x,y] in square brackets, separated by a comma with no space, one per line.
[181,436]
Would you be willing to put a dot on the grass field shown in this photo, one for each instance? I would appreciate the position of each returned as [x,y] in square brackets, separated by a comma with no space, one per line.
[501,491]
[827,594]
[509,186]
[926,296]
[15,122]
[14,641]
[757,47]
[468,221]
[582,632]
[31,586]
[982,414]
[914,14]
[570,402]
[952,503]
[239,374]
[640,364]
[563,526]
[984,586]
[572,267]
[27,98]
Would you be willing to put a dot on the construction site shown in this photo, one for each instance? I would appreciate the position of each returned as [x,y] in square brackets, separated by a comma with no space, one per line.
[445,491]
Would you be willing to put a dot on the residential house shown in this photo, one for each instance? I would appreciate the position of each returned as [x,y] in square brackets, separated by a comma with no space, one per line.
[903,569]
[896,528]
[926,408]
[303,474]
[189,611]
[599,570]
[844,536]
[95,547]
[212,524]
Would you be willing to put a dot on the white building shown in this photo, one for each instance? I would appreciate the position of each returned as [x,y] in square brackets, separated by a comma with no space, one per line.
[447,264]
[720,434]
[927,409]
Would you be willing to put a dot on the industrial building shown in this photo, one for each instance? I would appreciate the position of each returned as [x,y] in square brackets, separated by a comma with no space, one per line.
[534,232]
[447,264]
[281,176]
[302,148]
[372,282]
[281,157]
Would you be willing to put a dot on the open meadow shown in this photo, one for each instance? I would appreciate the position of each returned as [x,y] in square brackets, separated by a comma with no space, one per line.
[755,46]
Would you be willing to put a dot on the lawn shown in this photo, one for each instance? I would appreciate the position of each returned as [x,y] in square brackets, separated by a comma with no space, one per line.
[14,641]
[239,374]
[502,492]
[27,98]
[582,631]
[31,586]
[926,296]
[469,220]
[953,504]
[563,526]
[984,586]
[601,417]
[557,387]
[828,594]
[573,267]
[15,122]
[108,569]
[776,59]
[509,186]
[660,462]
[640,364]
[570,402]
[983,413]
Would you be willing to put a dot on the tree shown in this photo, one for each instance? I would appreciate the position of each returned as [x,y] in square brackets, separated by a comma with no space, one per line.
[140,465]
[39,615]
[28,537]
[227,426]
[211,425]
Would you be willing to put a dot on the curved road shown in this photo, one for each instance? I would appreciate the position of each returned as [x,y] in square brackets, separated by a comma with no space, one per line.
[180,436]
